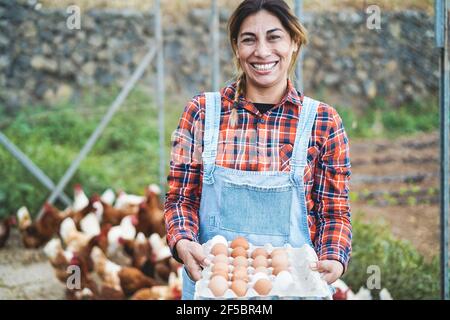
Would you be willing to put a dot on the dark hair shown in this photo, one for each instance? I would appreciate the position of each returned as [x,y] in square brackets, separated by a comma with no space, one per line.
[283,12]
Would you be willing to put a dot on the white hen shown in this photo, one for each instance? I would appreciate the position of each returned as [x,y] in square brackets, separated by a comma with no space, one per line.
[80,199]
[90,225]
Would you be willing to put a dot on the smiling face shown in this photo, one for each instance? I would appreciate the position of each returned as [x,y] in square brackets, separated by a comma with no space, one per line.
[264,51]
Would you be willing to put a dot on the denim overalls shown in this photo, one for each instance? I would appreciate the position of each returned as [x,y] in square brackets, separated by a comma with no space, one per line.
[263,206]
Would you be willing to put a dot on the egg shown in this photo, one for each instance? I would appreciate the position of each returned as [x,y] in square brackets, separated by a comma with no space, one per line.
[278,251]
[240,261]
[239,287]
[220,266]
[240,273]
[239,251]
[278,269]
[260,261]
[259,275]
[260,252]
[262,270]
[240,242]
[219,248]
[218,285]
[218,239]
[221,273]
[284,280]
[220,258]
[280,261]
[263,286]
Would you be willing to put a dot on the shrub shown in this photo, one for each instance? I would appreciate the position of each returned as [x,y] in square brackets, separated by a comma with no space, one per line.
[404,271]
[125,157]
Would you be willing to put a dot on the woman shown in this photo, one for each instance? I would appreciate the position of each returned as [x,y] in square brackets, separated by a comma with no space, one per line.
[259,159]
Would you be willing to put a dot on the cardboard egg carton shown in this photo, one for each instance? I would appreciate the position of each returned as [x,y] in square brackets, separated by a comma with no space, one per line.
[298,282]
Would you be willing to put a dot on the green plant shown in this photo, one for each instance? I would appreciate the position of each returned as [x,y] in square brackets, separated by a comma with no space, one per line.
[125,157]
[382,119]
[404,271]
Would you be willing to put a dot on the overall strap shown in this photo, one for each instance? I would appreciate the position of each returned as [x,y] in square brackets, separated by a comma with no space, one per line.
[304,130]
[211,136]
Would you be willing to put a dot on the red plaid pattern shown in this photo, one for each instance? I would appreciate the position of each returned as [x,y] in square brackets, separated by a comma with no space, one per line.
[262,142]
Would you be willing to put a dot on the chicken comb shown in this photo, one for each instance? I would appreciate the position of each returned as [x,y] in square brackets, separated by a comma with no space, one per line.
[47,206]
[95,197]
[12,220]
[77,187]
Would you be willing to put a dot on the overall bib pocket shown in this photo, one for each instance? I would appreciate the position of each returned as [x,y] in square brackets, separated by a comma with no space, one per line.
[256,210]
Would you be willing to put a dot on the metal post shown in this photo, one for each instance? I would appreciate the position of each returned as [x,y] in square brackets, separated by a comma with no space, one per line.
[215,39]
[441,7]
[106,119]
[27,163]
[299,68]
[160,87]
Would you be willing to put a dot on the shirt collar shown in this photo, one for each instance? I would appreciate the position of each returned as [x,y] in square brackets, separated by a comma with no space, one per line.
[294,97]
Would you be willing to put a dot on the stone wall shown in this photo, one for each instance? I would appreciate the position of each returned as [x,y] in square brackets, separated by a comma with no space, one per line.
[345,63]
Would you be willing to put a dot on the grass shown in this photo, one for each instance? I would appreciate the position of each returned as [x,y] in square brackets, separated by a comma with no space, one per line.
[125,157]
[404,271]
[381,120]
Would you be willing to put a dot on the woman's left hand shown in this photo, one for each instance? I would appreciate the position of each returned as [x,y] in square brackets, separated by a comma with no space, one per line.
[331,270]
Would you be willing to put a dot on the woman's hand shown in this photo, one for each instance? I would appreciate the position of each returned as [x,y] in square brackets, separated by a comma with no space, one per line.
[193,257]
[331,270]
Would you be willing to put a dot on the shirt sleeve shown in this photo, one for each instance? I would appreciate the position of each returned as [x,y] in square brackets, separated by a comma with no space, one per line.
[182,201]
[331,193]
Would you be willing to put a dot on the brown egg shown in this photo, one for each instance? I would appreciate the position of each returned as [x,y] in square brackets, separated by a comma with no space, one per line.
[220,258]
[240,273]
[240,242]
[218,286]
[239,251]
[259,252]
[239,287]
[221,273]
[280,261]
[263,286]
[219,248]
[260,261]
[278,269]
[240,261]
[278,251]
[262,270]
[220,266]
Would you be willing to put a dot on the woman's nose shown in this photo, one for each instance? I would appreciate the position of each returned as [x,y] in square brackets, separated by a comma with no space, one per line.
[262,49]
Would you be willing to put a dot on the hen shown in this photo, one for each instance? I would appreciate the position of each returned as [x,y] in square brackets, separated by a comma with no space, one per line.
[5,229]
[127,279]
[34,234]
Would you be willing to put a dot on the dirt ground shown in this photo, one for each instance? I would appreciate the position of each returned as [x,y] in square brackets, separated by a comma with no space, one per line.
[397,182]
[26,274]
[393,181]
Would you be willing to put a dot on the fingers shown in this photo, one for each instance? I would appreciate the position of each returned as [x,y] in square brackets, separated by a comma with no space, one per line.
[199,255]
[330,269]
[329,277]
[194,270]
[322,266]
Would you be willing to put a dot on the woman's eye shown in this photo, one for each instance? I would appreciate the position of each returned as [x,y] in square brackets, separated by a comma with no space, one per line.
[274,37]
[247,40]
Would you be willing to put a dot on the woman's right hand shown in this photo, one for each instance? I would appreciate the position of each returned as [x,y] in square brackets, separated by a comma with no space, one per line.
[191,253]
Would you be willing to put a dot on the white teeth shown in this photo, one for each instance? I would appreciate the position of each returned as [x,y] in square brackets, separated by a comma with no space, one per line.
[264,67]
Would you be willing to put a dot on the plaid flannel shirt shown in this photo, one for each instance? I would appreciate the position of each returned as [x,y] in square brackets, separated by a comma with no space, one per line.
[326,176]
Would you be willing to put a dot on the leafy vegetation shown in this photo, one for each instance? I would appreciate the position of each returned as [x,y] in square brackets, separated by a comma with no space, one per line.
[125,157]
[404,271]
[383,120]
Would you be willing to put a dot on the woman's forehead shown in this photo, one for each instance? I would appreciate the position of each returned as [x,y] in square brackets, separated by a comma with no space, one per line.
[261,22]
